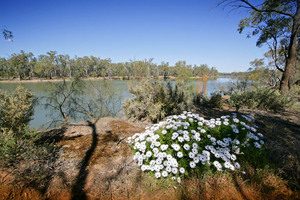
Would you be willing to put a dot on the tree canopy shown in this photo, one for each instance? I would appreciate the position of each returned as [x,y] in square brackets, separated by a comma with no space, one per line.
[276,23]
[26,66]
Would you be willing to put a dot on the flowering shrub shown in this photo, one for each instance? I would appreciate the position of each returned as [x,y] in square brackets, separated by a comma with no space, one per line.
[187,142]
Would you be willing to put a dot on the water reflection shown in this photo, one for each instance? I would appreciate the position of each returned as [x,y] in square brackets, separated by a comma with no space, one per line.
[42,116]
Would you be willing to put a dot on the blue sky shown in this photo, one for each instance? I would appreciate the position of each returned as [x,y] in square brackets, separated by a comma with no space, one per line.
[167,30]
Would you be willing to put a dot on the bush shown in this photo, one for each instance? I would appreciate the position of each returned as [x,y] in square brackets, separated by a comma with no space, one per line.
[262,98]
[215,100]
[16,109]
[187,143]
[29,160]
[154,100]
[19,150]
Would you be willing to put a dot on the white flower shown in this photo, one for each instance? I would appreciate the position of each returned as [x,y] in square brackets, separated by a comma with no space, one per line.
[174,135]
[182,170]
[191,155]
[169,157]
[196,160]
[195,145]
[152,162]
[180,139]
[262,142]
[144,167]
[212,139]
[212,126]
[157,175]
[217,165]
[174,170]
[195,151]
[164,147]
[186,147]
[192,164]
[179,180]
[236,120]
[148,154]
[179,154]
[186,137]
[237,165]
[164,174]
[168,169]
[260,135]
[164,132]
[227,165]
[233,157]
[257,145]
[226,123]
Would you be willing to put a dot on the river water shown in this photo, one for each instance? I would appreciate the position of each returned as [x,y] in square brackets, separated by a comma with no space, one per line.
[42,116]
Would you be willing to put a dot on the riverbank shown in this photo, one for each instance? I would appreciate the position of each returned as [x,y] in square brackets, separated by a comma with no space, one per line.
[38,80]
[95,162]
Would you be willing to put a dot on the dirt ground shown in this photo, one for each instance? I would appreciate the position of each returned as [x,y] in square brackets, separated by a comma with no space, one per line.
[96,163]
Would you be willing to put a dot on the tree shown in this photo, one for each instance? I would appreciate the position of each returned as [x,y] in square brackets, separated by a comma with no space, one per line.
[19,63]
[7,35]
[276,22]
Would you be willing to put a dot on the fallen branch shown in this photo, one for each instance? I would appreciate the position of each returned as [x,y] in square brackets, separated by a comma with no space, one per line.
[121,134]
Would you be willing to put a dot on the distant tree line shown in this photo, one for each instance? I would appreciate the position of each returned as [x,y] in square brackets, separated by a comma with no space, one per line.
[26,66]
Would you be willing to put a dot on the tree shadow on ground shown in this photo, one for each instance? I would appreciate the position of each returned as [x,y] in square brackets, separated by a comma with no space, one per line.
[282,142]
[78,187]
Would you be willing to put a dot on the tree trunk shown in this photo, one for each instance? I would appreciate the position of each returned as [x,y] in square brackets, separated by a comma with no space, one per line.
[292,55]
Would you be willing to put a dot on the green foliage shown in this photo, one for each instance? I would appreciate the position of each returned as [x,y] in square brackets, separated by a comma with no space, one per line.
[29,160]
[53,65]
[214,101]
[16,109]
[154,100]
[261,98]
[19,149]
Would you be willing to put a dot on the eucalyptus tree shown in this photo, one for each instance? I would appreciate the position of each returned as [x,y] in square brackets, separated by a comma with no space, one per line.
[277,23]
[164,69]
[106,68]
[51,63]
[62,63]
[184,71]
[19,64]
[32,65]
[128,69]
[4,70]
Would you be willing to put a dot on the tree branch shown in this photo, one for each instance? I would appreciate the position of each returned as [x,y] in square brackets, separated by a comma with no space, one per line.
[248,5]
[266,10]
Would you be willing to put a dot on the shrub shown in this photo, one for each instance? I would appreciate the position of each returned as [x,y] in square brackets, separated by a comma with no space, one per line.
[29,160]
[154,100]
[19,150]
[215,100]
[188,143]
[16,109]
[261,98]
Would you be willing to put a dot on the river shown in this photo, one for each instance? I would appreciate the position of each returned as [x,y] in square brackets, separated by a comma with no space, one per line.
[42,116]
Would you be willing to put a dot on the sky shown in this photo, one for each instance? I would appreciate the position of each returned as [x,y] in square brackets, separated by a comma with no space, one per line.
[197,31]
